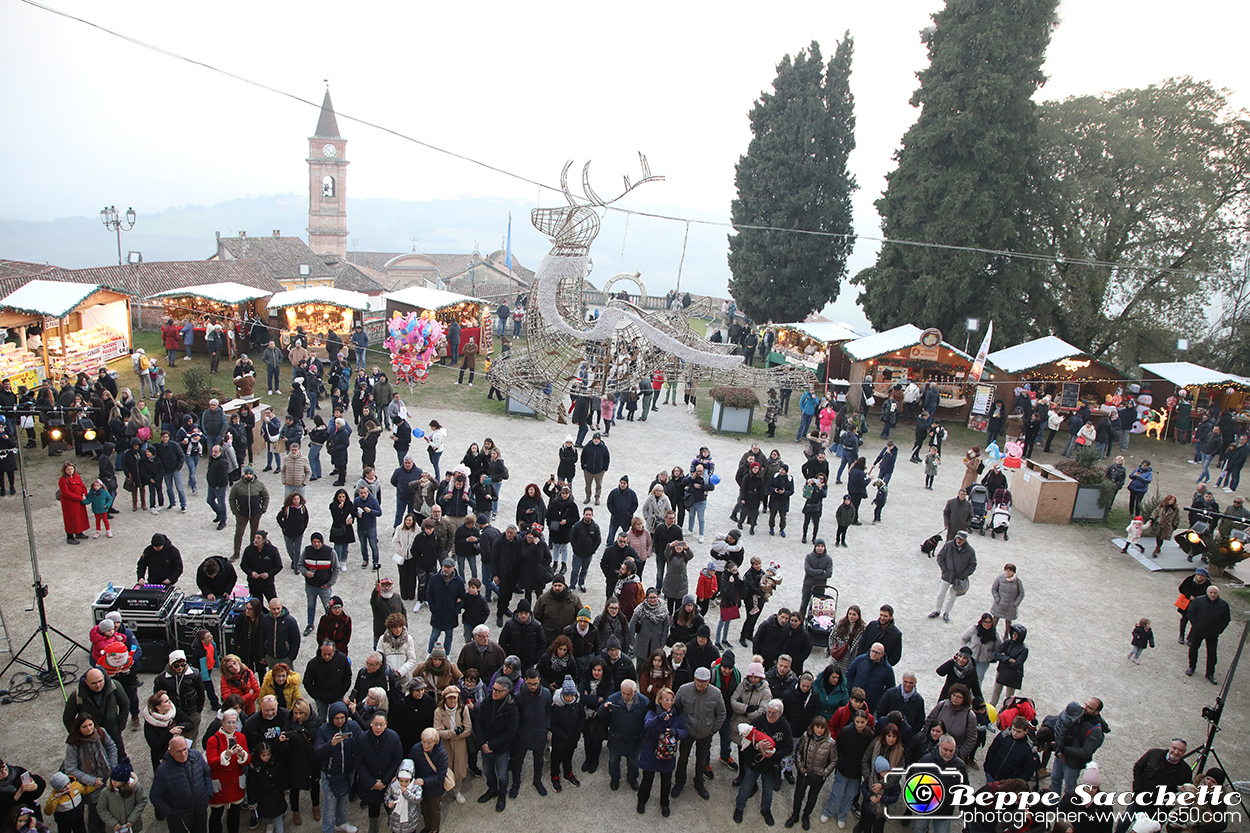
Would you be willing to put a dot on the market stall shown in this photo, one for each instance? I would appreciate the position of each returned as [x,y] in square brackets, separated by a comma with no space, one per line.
[227,303]
[1051,366]
[447,307]
[815,345]
[1203,387]
[318,309]
[63,328]
[905,354]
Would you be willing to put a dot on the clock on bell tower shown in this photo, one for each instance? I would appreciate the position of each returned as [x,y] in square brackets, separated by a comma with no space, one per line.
[327,186]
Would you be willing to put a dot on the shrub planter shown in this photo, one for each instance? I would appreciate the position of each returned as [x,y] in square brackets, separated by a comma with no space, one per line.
[1086,507]
[733,409]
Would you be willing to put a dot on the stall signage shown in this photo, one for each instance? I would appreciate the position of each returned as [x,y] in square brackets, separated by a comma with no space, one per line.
[920,352]
[1073,365]
[29,378]
[114,349]
[1071,396]
[981,399]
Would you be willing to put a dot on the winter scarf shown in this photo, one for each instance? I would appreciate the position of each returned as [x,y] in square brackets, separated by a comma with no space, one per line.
[655,613]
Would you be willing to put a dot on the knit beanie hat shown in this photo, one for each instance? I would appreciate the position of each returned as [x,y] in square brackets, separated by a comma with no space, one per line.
[122,772]
[755,669]
[583,614]
[569,687]
[58,781]
[881,764]
[1090,775]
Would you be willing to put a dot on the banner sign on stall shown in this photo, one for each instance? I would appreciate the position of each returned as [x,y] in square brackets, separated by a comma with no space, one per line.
[978,365]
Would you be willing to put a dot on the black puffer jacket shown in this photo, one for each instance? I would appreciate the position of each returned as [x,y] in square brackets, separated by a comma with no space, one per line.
[524,640]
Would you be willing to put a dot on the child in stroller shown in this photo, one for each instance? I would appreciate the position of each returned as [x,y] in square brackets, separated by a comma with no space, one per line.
[1000,516]
[979,498]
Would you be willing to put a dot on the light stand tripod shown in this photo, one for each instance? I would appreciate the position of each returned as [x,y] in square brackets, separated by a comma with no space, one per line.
[49,674]
[1214,713]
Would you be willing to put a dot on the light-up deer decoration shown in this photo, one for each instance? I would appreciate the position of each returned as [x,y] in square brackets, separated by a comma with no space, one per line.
[565,354]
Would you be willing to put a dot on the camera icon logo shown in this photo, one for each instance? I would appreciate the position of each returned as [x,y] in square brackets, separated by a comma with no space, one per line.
[925,790]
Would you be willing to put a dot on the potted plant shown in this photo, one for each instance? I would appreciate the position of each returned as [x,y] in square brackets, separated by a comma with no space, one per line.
[733,409]
[1094,492]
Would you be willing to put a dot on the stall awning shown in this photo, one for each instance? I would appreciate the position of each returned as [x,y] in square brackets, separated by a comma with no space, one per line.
[1188,374]
[880,344]
[320,295]
[431,299]
[1033,354]
[226,292]
[52,299]
[824,331]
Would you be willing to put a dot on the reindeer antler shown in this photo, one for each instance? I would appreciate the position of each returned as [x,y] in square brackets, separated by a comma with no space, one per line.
[595,199]
[564,182]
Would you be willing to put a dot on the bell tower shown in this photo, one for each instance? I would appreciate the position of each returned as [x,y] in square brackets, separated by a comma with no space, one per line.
[327,186]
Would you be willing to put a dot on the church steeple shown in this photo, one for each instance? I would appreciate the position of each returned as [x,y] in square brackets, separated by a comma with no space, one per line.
[327,125]
[327,185]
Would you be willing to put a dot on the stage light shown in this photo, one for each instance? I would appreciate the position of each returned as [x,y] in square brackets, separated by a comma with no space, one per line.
[1195,535]
[1237,540]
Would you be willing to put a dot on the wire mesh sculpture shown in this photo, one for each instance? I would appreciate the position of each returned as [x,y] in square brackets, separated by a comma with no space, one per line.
[565,353]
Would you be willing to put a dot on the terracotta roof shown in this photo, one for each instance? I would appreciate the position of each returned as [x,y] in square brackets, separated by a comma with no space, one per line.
[281,257]
[500,257]
[327,124]
[18,268]
[351,277]
[155,276]
[373,260]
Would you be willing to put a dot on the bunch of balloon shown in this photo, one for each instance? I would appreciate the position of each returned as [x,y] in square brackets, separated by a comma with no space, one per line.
[412,340]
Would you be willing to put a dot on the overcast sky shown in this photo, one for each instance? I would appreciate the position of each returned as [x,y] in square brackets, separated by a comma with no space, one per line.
[94,120]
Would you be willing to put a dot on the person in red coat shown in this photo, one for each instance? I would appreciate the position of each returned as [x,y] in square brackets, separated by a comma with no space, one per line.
[172,336]
[228,757]
[71,491]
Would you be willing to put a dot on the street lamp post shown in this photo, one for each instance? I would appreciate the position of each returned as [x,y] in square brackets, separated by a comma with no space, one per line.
[115,223]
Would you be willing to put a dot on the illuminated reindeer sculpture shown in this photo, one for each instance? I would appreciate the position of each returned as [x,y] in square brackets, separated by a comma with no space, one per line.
[565,354]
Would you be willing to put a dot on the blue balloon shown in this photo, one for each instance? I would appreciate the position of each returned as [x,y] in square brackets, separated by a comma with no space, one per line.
[714,480]
[417,433]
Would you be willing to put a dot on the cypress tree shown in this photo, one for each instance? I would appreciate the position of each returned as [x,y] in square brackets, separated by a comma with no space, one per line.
[965,174]
[794,176]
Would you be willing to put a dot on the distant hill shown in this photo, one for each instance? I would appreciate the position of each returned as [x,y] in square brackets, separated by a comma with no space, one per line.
[381,225]
[187,233]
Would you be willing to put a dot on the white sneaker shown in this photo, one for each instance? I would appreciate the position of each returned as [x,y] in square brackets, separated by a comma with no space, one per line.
[459,798]
[824,819]
[343,566]
[155,511]
[417,607]
[96,534]
[346,827]
[841,824]
[1228,490]
[700,539]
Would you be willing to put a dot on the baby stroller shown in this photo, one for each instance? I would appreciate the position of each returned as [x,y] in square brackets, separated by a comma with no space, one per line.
[979,497]
[1000,517]
[822,615]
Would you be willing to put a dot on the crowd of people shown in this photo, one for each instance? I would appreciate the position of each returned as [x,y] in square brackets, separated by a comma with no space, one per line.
[400,726]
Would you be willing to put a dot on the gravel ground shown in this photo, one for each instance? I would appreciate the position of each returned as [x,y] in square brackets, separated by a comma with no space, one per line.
[1083,598]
